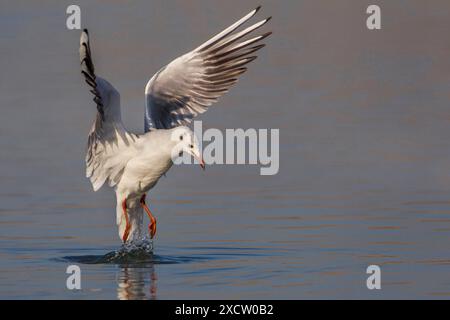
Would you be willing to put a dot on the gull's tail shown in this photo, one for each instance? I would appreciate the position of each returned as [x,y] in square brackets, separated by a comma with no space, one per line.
[135,215]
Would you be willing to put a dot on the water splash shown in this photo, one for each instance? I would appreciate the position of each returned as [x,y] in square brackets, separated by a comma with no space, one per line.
[139,245]
[134,252]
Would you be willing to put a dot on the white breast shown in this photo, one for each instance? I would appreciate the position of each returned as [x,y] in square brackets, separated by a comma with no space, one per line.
[143,171]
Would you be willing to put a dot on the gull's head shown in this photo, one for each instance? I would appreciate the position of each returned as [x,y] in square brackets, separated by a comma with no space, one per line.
[186,142]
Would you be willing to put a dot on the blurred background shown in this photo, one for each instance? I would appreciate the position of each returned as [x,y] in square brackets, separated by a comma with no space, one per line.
[364,153]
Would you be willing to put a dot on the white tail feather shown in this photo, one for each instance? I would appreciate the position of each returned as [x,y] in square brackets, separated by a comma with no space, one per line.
[135,217]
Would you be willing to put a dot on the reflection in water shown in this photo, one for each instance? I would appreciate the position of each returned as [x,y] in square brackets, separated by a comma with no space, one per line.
[136,282]
[137,279]
[137,271]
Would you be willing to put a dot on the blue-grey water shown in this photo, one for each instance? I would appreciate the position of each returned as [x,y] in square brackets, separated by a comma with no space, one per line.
[364,119]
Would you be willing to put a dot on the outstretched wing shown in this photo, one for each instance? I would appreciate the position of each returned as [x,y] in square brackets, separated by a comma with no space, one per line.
[110,146]
[189,84]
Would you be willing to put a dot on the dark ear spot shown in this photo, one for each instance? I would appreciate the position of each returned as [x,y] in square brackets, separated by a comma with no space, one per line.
[180,153]
[181,137]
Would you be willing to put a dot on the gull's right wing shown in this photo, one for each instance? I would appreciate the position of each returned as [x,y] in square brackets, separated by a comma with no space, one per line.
[191,83]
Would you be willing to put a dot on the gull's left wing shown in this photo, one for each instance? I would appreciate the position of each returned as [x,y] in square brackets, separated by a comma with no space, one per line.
[189,84]
[110,146]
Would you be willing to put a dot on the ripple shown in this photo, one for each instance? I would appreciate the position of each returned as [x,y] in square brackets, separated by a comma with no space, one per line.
[134,253]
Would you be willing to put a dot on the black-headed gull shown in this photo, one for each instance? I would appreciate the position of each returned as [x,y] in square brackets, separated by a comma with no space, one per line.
[186,87]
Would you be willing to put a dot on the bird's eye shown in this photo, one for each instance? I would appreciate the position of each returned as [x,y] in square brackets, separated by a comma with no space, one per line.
[191,146]
[181,137]
[180,154]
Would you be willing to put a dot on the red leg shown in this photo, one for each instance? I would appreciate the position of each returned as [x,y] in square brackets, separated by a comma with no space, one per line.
[152,225]
[127,226]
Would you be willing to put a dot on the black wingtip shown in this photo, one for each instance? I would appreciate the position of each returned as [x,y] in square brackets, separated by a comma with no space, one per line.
[268,19]
[265,35]
[257,8]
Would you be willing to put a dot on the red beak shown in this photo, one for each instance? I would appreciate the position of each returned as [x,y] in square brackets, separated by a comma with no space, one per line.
[200,161]
[202,164]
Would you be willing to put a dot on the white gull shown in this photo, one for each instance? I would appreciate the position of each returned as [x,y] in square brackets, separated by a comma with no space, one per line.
[131,163]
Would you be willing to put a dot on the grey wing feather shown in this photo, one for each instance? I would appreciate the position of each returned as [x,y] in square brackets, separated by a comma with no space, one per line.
[191,83]
[110,146]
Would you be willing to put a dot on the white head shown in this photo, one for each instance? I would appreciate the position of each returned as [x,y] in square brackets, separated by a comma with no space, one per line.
[186,142]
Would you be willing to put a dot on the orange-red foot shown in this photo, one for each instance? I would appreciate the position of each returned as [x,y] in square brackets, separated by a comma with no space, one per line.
[127,226]
[152,225]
